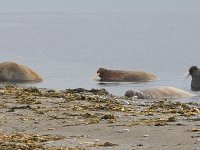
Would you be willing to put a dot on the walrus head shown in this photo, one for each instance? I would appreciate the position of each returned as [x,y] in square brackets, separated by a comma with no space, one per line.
[191,71]
[194,71]
[100,73]
[137,94]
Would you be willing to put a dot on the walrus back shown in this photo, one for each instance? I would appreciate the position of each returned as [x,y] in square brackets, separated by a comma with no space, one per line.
[166,92]
[157,93]
[138,76]
[13,72]
[127,76]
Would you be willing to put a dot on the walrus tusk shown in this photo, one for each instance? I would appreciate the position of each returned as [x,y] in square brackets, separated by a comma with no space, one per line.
[95,77]
[186,75]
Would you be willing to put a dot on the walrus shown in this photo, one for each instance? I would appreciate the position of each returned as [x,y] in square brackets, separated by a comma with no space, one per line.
[194,71]
[124,76]
[160,92]
[13,72]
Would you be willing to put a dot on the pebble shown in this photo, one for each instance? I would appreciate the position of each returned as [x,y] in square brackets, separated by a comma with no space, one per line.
[96,140]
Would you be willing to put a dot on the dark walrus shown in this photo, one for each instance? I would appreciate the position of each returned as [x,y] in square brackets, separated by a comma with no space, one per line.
[124,76]
[13,72]
[194,71]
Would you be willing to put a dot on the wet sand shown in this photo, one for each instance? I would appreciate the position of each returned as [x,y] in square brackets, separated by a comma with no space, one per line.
[80,119]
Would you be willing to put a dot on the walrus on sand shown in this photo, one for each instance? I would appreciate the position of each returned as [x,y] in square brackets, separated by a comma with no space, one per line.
[160,92]
[124,76]
[194,71]
[13,72]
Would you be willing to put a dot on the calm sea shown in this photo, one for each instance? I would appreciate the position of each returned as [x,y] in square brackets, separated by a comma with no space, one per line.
[67,49]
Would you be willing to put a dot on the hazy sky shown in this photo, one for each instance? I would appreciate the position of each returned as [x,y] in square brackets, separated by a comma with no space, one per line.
[101,6]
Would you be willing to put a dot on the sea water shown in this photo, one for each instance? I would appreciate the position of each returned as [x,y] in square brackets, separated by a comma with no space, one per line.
[68,49]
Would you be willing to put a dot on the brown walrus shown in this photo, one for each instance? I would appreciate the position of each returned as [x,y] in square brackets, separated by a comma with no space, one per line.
[194,71]
[124,76]
[13,72]
[160,92]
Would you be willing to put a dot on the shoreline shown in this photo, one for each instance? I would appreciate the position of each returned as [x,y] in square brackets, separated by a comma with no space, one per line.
[79,119]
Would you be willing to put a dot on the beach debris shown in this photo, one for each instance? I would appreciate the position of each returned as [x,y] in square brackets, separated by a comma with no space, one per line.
[153,121]
[32,90]
[82,90]
[195,118]
[82,107]
[123,130]
[2,106]
[19,107]
[166,106]
[106,144]
[92,121]
[146,135]
[108,117]
[96,140]
[25,141]
[195,130]
[171,119]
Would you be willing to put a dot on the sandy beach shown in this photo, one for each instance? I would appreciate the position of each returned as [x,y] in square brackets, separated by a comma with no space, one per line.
[80,119]
[64,44]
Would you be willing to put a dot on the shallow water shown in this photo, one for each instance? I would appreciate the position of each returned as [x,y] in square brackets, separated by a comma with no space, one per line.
[67,49]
